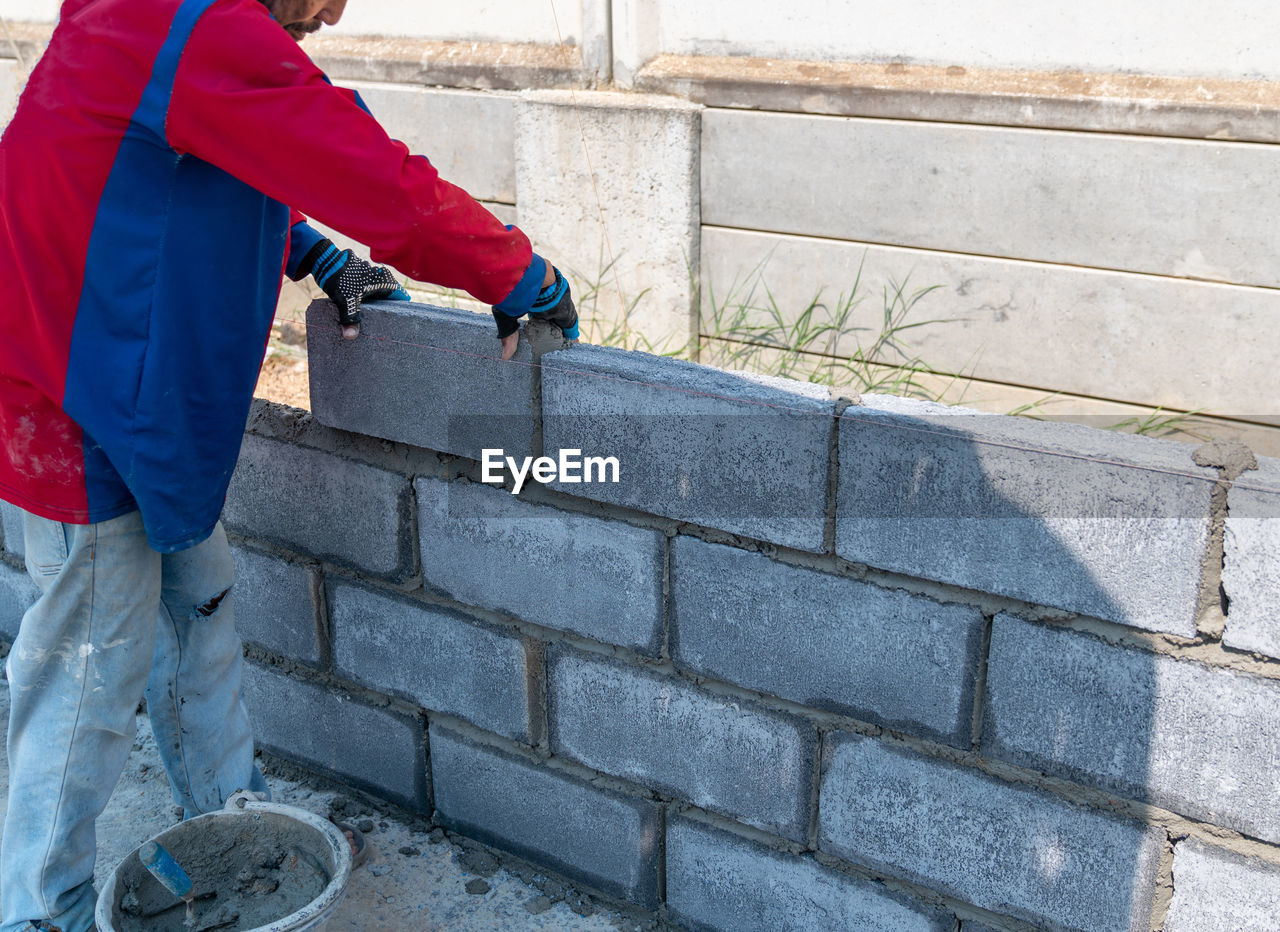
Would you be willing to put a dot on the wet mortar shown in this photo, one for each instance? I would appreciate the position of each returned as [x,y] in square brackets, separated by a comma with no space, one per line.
[247,871]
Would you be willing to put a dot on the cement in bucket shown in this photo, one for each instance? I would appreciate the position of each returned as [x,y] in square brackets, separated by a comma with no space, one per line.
[255,867]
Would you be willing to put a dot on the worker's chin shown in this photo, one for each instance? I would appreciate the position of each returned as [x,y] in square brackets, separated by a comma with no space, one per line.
[300,31]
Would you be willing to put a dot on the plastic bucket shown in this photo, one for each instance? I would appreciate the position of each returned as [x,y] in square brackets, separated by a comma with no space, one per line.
[254,867]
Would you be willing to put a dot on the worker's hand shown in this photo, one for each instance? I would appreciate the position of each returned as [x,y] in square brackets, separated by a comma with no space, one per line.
[349,280]
[554,303]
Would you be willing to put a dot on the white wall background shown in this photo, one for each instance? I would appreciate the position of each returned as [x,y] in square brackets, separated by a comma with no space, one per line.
[479,20]
[1229,38]
[34,11]
[1225,39]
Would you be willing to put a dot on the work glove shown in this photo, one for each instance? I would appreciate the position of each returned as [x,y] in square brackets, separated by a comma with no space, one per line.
[554,303]
[349,280]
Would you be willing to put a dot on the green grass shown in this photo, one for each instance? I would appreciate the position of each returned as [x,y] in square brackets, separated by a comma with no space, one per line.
[748,329]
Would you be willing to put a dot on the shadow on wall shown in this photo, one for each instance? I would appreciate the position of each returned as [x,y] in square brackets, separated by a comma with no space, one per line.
[1061,517]
[1068,520]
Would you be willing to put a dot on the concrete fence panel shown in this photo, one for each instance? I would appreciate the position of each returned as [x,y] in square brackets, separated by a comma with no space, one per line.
[1085,199]
[469,136]
[1052,327]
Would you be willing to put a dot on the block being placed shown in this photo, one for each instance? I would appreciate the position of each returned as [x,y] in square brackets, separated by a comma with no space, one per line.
[428,376]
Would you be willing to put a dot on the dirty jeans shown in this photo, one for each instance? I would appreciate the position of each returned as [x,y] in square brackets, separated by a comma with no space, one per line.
[115,618]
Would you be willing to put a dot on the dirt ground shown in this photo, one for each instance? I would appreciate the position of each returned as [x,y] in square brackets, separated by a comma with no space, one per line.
[284,372]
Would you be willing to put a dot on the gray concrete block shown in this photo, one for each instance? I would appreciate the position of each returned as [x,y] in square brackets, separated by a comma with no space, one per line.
[722,754]
[274,604]
[323,505]
[485,547]
[469,136]
[1003,847]
[431,656]
[608,840]
[726,450]
[376,750]
[1110,525]
[827,642]
[428,376]
[1194,739]
[17,594]
[720,881]
[1250,572]
[1215,890]
[1019,322]
[11,534]
[1085,199]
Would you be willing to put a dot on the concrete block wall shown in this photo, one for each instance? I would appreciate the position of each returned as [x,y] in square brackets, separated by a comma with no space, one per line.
[811,663]
[987,675]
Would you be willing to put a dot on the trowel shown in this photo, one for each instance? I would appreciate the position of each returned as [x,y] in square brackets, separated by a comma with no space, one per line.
[162,866]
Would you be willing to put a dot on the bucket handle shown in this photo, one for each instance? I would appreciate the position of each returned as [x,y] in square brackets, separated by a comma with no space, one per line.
[241,798]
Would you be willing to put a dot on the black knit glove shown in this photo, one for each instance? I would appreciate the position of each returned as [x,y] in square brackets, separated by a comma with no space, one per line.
[349,280]
[554,303]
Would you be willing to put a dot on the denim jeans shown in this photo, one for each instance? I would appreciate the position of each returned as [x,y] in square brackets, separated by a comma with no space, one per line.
[114,619]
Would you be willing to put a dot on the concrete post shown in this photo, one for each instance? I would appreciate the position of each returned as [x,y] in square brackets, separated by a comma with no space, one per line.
[597,39]
[635,38]
[644,151]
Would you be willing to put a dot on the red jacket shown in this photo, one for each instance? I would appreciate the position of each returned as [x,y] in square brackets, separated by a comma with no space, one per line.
[143,231]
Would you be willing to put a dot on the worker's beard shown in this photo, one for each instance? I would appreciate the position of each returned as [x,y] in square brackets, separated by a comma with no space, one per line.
[288,13]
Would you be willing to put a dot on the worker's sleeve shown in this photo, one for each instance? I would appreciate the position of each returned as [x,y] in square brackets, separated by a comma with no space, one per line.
[248,100]
[302,239]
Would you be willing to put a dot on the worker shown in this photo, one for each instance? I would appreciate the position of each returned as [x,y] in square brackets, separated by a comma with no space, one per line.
[155,182]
